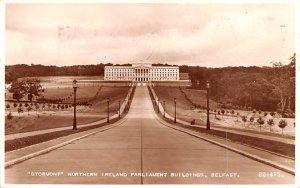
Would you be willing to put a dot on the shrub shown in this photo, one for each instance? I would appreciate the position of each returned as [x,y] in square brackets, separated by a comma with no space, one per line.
[282,124]
[232,112]
[270,123]
[251,119]
[272,113]
[244,118]
[7,106]
[260,121]
[26,105]
[20,110]
[15,105]
[266,113]
[254,111]
[9,116]
[259,112]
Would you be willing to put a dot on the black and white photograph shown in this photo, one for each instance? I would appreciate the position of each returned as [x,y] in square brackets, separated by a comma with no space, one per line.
[155,93]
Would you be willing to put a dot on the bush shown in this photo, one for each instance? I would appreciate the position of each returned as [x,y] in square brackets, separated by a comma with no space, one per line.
[251,119]
[272,113]
[259,112]
[26,105]
[260,121]
[193,122]
[254,111]
[223,111]
[282,124]
[20,110]
[244,118]
[7,106]
[15,105]
[9,116]
[266,113]
[270,123]
[232,112]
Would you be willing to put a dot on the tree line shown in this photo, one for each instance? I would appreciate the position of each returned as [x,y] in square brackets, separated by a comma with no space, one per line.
[262,88]
[13,72]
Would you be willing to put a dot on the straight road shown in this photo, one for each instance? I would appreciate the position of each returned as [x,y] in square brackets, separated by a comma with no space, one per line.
[142,151]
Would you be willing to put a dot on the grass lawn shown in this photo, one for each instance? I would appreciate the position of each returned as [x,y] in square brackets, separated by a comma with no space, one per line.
[274,146]
[183,106]
[11,145]
[26,123]
[34,123]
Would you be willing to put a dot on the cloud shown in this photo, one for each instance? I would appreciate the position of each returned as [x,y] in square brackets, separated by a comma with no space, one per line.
[195,34]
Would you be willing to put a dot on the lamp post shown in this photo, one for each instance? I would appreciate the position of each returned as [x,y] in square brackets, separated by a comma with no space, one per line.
[119,109]
[107,110]
[175,110]
[157,105]
[74,120]
[207,91]
[164,109]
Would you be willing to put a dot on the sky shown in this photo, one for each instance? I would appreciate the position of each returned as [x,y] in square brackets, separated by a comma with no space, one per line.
[210,35]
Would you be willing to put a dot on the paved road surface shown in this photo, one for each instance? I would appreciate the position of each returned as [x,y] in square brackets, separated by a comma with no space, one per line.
[142,144]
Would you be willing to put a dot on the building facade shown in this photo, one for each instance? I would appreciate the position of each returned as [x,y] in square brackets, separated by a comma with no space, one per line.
[141,72]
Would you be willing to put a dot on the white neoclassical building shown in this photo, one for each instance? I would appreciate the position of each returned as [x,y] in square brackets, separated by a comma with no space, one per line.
[141,72]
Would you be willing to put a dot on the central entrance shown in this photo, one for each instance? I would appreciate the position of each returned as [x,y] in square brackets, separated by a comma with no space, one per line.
[142,74]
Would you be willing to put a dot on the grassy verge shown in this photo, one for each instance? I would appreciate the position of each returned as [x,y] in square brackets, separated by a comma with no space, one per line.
[274,146]
[26,123]
[36,123]
[11,145]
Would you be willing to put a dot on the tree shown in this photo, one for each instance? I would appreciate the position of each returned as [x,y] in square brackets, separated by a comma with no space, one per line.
[272,114]
[18,89]
[28,109]
[270,123]
[34,88]
[15,105]
[223,112]
[244,119]
[237,116]
[282,124]
[266,113]
[7,106]
[251,119]
[20,110]
[260,121]
[9,116]
[37,106]
[31,87]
